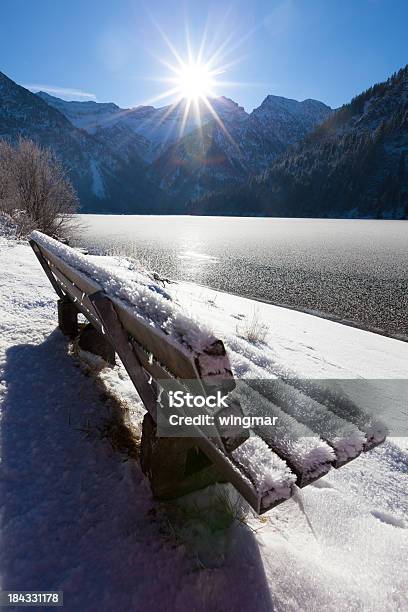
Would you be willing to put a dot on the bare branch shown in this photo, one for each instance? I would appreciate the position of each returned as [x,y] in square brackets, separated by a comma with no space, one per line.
[35,190]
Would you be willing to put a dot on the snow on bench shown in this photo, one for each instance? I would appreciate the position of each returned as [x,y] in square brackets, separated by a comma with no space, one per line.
[344,437]
[329,393]
[308,456]
[157,341]
[271,476]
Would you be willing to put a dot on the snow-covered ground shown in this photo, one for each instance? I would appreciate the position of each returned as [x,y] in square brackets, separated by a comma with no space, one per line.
[77,514]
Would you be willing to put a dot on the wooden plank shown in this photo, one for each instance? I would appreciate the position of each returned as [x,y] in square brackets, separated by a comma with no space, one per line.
[180,363]
[45,267]
[344,407]
[84,304]
[82,281]
[231,472]
[150,364]
[158,343]
[77,296]
[74,293]
[282,438]
[345,438]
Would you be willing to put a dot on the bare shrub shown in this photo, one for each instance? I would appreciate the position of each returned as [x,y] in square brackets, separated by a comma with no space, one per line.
[7,159]
[35,190]
[253,328]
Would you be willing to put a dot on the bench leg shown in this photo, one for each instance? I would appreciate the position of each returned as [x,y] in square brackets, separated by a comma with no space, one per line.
[174,466]
[94,342]
[67,317]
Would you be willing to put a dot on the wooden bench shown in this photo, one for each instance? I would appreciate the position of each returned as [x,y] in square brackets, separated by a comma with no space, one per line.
[264,467]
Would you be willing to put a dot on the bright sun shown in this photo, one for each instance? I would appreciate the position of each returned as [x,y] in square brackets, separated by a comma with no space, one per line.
[195,81]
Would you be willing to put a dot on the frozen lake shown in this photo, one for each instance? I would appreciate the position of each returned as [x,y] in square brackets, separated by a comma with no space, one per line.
[352,269]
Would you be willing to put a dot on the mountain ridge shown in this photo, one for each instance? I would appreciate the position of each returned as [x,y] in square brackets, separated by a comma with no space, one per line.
[285,158]
[104,180]
[188,155]
[354,164]
[226,155]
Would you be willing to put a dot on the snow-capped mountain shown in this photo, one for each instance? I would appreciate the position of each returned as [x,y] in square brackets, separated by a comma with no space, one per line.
[104,178]
[141,159]
[87,115]
[354,164]
[289,120]
[150,129]
[192,153]
[224,155]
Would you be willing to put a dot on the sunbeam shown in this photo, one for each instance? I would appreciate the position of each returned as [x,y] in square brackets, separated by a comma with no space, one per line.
[194,80]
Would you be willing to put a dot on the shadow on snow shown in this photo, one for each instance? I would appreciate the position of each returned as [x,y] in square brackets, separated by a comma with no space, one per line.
[78,516]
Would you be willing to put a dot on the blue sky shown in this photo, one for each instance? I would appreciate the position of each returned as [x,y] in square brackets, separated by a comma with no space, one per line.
[111,49]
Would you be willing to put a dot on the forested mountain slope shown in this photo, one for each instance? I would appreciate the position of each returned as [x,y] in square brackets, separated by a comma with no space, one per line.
[354,164]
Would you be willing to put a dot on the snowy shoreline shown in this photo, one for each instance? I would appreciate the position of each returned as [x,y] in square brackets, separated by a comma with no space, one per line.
[84,522]
[314,313]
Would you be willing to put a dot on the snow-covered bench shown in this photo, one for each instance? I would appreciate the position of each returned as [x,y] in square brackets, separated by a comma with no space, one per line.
[156,341]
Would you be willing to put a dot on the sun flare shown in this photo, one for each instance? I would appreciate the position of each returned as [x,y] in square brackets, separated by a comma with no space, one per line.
[195,81]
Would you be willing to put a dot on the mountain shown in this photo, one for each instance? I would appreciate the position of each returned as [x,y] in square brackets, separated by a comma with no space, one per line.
[104,179]
[151,129]
[228,152]
[162,160]
[354,164]
[194,151]
[282,122]
[285,158]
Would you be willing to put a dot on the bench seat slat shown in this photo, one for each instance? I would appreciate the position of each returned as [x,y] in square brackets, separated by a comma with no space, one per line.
[345,438]
[335,399]
[270,475]
[307,455]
